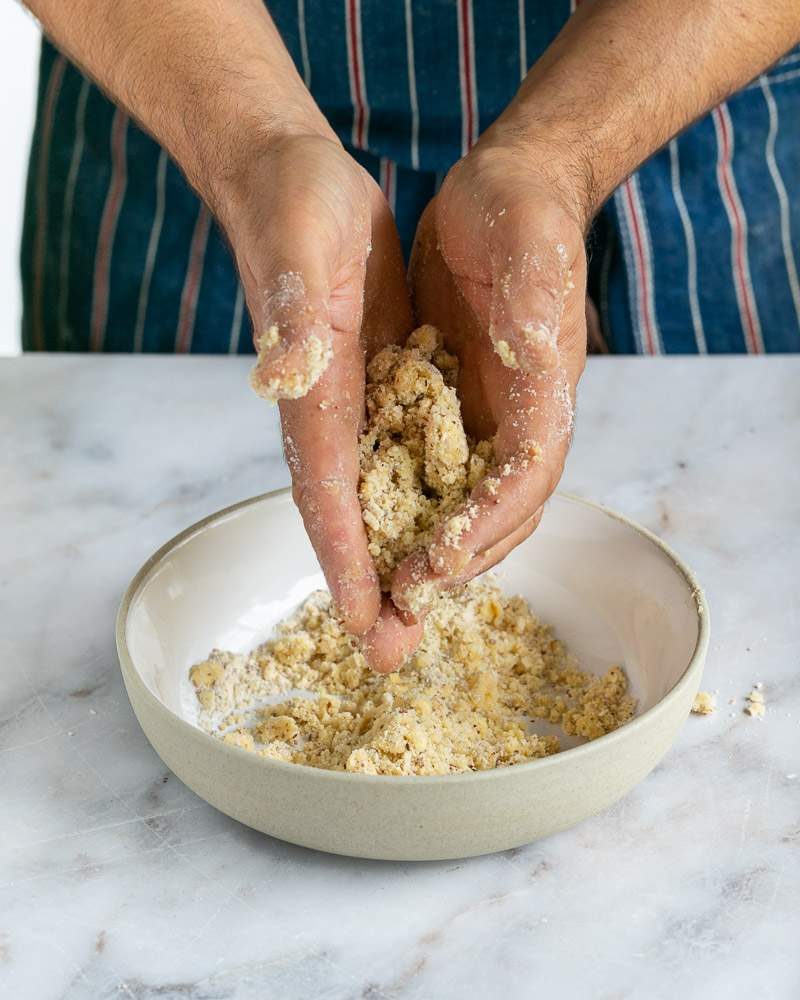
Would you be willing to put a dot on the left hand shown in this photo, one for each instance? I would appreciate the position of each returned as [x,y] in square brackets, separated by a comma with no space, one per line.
[499,266]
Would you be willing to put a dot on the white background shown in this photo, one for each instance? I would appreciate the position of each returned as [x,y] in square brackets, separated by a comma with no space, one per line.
[19,53]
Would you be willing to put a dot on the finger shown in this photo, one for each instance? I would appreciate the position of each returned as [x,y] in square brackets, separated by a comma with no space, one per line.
[530,449]
[388,317]
[295,345]
[530,283]
[320,443]
[518,284]
[312,285]
[492,556]
[416,585]
[389,643]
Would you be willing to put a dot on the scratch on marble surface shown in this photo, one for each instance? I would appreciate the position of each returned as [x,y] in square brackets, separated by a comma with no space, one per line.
[34,743]
[87,866]
[116,859]
[43,841]
[744,824]
[171,847]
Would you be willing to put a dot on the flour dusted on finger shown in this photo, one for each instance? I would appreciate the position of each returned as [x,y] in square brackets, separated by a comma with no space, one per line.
[417,464]
[485,667]
[295,347]
[289,380]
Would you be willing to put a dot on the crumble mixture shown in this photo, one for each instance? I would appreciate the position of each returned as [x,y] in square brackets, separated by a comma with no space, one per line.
[756,706]
[417,464]
[485,667]
[704,703]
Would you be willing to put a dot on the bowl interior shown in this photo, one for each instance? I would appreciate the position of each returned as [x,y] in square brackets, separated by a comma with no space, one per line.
[612,593]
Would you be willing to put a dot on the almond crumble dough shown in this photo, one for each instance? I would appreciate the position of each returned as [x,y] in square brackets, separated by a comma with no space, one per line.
[417,464]
[485,667]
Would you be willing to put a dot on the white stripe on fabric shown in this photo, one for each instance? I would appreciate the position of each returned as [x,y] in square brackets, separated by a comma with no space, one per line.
[64,332]
[413,100]
[523,41]
[691,248]
[629,260]
[461,85]
[649,272]
[301,30]
[783,199]
[236,323]
[776,78]
[787,60]
[152,250]
[745,297]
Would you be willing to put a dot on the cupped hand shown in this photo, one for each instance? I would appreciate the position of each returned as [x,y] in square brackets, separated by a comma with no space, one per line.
[499,266]
[323,275]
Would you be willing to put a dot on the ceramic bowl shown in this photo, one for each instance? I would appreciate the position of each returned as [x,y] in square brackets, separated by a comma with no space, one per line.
[612,590]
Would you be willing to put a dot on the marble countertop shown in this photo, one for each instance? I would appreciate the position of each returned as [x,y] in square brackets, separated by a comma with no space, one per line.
[117,881]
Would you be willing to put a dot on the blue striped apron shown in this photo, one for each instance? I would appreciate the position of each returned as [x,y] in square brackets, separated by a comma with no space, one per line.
[697,252]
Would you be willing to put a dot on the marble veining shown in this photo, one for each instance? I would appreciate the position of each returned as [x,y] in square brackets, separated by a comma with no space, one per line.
[116,881]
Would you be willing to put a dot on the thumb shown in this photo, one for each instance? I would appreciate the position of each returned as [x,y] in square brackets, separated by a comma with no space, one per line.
[293,335]
[310,288]
[516,266]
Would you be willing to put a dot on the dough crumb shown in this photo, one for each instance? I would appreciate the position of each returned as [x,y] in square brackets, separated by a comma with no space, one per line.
[506,353]
[756,706]
[291,384]
[704,703]
[417,464]
[485,668]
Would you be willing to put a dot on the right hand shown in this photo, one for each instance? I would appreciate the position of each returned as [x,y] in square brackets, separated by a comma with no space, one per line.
[320,262]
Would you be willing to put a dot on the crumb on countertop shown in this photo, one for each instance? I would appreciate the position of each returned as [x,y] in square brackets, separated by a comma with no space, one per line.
[704,703]
[756,706]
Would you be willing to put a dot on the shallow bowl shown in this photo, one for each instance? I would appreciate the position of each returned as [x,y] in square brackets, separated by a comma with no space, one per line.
[612,591]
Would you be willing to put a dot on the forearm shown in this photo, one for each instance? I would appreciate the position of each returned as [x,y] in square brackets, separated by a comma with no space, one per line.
[624,76]
[207,78]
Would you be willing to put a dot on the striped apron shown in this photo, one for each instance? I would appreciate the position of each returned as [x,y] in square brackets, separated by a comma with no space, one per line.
[697,252]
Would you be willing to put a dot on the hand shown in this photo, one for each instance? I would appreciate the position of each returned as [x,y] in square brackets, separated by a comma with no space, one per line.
[302,221]
[499,266]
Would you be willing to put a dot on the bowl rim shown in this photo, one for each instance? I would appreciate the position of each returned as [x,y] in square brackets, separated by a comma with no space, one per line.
[687,678]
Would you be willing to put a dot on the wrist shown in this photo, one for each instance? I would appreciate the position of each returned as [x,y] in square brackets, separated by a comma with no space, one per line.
[551,158]
[223,159]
